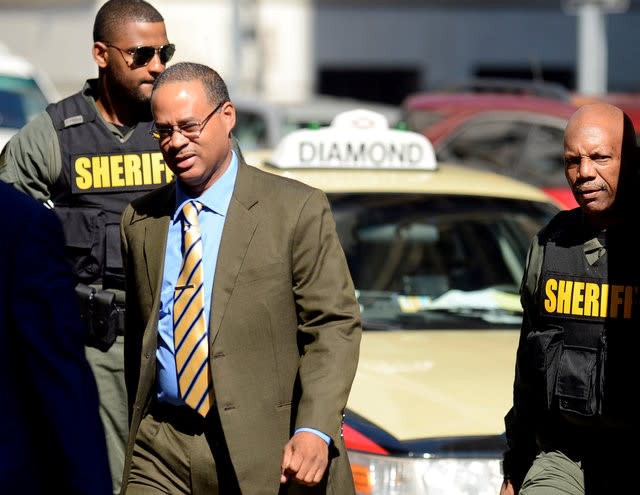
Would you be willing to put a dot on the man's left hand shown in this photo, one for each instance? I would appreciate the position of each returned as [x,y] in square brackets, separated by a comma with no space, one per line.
[305,459]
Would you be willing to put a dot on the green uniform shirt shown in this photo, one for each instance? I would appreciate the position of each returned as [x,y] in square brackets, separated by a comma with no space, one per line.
[31,161]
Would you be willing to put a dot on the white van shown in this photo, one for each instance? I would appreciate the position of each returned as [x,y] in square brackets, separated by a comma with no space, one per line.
[24,93]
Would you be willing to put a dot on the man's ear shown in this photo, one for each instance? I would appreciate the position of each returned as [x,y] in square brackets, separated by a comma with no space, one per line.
[228,112]
[100,54]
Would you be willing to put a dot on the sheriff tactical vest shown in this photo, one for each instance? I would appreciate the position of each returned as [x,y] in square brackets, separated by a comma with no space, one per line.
[585,344]
[100,176]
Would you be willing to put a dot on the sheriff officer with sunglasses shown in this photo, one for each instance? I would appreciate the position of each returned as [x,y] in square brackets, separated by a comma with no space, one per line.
[87,157]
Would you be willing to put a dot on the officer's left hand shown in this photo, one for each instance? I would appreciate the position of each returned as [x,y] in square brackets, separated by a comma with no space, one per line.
[507,488]
[305,459]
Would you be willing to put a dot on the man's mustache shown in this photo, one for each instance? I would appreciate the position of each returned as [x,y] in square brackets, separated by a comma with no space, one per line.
[584,187]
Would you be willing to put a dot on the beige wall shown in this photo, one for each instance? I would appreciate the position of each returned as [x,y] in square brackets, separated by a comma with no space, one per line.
[277,61]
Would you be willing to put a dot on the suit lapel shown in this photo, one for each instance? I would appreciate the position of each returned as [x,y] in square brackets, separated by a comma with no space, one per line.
[154,215]
[148,238]
[155,243]
[239,228]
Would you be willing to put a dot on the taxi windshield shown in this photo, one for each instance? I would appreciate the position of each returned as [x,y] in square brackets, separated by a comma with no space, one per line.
[440,261]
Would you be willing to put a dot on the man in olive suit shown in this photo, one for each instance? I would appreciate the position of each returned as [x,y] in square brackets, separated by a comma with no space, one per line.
[282,321]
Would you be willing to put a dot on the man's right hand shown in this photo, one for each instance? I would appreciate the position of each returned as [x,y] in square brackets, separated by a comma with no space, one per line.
[305,459]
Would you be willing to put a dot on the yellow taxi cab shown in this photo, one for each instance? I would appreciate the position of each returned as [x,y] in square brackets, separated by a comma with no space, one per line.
[437,253]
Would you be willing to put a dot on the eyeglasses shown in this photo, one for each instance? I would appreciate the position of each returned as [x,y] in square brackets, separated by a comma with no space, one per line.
[142,55]
[190,130]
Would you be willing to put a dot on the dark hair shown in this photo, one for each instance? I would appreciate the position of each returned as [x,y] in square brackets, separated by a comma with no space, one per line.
[114,13]
[214,86]
[629,151]
[629,140]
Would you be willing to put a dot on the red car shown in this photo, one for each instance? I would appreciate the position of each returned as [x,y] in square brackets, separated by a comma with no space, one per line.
[629,102]
[519,135]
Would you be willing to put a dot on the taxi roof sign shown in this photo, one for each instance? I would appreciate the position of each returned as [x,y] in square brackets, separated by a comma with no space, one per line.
[355,139]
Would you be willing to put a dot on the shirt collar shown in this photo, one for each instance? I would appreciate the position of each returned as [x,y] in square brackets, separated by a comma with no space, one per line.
[217,197]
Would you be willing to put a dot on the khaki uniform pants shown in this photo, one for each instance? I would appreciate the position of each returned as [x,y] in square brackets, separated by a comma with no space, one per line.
[108,370]
[606,471]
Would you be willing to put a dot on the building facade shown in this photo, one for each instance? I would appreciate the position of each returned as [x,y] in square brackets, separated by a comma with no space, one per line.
[372,49]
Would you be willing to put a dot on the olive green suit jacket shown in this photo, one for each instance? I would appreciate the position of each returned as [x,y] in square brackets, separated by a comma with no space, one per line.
[284,330]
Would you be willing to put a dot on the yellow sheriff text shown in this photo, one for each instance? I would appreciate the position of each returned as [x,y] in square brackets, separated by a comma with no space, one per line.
[120,171]
[579,298]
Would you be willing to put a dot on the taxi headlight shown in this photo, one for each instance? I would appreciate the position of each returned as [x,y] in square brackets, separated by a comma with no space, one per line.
[388,475]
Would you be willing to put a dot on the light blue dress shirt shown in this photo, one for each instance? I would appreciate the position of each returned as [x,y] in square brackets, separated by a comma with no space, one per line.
[216,201]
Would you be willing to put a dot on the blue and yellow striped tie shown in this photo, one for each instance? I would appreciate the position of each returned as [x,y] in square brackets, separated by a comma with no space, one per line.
[189,327]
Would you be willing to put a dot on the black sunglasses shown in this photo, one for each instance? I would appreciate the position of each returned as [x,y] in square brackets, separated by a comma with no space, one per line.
[142,55]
